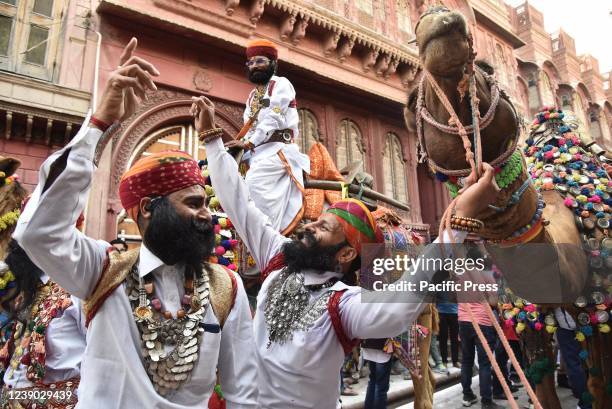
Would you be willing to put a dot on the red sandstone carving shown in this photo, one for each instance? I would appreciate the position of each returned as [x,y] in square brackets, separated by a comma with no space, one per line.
[202,80]
[346,48]
[331,44]
[370,59]
[231,6]
[287,27]
[382,65]
[257,10]
[392,68]
[300,31]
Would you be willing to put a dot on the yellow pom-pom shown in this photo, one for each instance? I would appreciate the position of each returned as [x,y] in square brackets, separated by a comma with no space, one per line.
[580,336]
[214,202]
[209,190]
[519,303]
[223,222]
[582,198]
[2,283]
[604,328]
[205,173]
[516,311]
[573,150]
[217,239]
[8,276]
[520,327]
[551,329]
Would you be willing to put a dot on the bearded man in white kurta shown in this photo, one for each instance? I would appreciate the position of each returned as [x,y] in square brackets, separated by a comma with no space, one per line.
[307,318]
[276,166]
[161,321]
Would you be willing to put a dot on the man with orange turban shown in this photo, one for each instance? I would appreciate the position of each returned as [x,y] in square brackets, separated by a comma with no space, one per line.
[310,313]
[162,321]
[276,166]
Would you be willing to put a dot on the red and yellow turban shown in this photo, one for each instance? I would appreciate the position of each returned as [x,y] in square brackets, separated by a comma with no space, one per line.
[262,47]
[357,222]
[158,174]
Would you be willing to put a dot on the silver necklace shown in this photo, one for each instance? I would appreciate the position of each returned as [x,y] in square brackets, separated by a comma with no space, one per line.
[169,370]
[287,309]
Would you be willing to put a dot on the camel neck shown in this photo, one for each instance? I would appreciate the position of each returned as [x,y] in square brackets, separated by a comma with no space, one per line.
[449,86]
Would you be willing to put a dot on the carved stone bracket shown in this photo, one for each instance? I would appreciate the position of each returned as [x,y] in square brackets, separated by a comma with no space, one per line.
[392,68]
[382,65]
[346,49]
[231,6]
[257,10]
[369,59]
[331,43]
[408,75]
[299,32]
[287,25]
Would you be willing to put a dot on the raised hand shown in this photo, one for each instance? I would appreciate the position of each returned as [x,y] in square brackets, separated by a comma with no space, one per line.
[203,111]
[128,83]
[476,197]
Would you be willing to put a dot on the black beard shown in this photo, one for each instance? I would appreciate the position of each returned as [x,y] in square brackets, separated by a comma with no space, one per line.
[300,256]
[175,239]
[261,77]
[27,276]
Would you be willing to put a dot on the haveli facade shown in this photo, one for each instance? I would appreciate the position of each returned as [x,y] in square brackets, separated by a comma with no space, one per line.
[351,63]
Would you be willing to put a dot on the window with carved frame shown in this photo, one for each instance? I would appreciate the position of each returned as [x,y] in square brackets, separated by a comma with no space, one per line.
[349,146]
[30,35]
[309,130]
[394,168]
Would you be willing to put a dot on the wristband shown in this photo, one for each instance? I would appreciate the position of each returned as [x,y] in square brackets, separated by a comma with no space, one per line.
[101,125]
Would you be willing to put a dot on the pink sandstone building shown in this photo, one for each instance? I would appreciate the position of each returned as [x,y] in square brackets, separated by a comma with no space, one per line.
[351,62]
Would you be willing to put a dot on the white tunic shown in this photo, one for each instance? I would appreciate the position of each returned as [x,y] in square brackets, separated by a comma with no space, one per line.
[64,346]
[113,375]
[303,373]
[275,177]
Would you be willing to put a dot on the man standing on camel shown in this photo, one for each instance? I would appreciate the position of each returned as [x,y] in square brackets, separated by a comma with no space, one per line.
[307,318]
[275,177]
[162,322]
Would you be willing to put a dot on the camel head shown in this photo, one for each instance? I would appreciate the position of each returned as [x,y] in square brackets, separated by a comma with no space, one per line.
[442,38]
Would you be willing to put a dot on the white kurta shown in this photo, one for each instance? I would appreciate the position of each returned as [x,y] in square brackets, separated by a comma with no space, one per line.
[64,344]
[304,373]
[275,177]
[113,375]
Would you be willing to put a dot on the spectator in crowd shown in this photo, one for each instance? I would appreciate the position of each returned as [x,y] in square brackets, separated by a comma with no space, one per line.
[449,327]
[470,342]
[501,356]
[380,365]
[570,350]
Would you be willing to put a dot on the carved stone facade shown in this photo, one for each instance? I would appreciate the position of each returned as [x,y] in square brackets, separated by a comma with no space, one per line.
[350,62]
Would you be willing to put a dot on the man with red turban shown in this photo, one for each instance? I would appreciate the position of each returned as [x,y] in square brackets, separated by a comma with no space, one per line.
[163,323]
[276,166]
[309,312]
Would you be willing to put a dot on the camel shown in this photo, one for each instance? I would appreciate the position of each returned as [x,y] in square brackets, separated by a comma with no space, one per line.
[553,267]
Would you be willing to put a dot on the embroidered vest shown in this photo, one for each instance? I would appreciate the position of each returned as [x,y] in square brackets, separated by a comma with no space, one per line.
[29,348]
[223,285]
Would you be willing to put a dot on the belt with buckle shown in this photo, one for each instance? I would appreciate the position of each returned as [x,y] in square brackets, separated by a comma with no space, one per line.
[283,136]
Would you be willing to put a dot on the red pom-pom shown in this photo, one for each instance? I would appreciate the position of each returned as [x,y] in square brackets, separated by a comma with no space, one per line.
[220,250]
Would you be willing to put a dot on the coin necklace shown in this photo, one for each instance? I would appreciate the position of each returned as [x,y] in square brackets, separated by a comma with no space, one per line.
[169,370]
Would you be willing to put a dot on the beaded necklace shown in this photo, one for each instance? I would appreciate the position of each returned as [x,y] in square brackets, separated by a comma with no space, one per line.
[169,370]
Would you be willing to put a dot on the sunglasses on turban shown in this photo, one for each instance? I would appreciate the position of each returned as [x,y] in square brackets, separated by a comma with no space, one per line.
[257,61]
